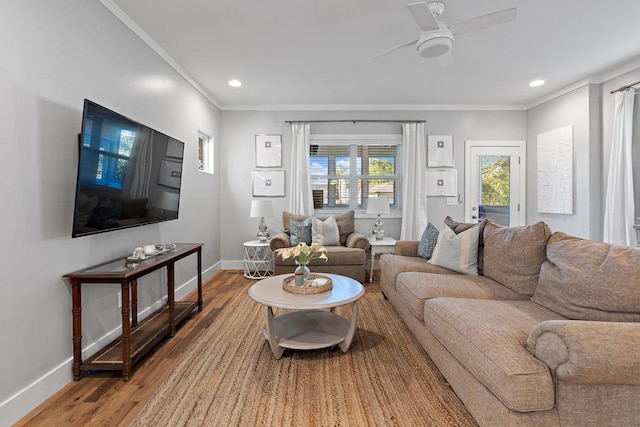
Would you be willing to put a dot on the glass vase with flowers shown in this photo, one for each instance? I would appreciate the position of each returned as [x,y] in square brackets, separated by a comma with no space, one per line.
[302,254]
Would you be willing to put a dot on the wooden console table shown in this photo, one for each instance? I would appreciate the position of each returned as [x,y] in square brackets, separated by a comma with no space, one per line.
[137,339]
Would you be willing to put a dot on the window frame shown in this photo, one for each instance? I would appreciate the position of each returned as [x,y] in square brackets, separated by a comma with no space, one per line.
[360,140]
[205,153]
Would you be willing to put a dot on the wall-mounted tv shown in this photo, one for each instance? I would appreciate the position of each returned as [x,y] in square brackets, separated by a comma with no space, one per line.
[128,174]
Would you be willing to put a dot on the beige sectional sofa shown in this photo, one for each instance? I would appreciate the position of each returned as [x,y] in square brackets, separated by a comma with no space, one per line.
[547,335]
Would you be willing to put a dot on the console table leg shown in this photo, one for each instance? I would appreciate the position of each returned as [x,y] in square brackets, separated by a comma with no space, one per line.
[126,332]
[199,254]
[134,303]
[171,298]
[344,345]
[76,311]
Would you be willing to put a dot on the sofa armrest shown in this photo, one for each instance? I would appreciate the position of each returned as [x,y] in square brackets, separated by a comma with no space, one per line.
[407,247]
[356,240]
[588,352]
[280,240]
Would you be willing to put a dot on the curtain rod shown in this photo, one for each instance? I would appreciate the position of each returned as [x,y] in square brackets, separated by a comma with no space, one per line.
[355,121]
[620,89]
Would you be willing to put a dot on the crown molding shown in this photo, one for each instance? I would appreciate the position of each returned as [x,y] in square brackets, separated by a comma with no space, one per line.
[145,37]
[373,107]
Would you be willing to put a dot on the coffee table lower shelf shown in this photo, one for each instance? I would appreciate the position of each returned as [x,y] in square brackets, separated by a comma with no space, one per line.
[142,339]
[308,329]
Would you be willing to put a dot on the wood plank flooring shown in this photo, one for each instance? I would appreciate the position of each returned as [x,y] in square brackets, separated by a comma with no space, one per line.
[103,399]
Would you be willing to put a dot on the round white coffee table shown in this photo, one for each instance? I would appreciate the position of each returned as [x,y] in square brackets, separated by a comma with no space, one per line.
[309,326]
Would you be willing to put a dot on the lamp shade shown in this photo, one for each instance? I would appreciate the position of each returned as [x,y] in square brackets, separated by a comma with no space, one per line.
[261,208]
[378,205]
[166,201]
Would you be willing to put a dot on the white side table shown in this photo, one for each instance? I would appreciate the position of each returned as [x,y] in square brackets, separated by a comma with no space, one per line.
[378,247]
[258,259]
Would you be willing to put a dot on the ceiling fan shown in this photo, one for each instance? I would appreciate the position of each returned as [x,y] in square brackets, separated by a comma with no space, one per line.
[436,38]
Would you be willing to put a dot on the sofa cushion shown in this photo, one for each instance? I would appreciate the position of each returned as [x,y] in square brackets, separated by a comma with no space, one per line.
[490,339]
[300,231]
[457,252]
[325,232]
[346,225]
[459,227]
[428,241]
[286,220]
[392,265]
[513,255]
[336,255]
[587,280]
[415,288]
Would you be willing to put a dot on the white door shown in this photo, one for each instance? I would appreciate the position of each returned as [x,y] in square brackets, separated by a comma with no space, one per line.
[495,182]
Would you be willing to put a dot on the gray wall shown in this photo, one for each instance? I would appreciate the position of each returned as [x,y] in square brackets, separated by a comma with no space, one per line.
[579,108]
[55,54]
[237,151]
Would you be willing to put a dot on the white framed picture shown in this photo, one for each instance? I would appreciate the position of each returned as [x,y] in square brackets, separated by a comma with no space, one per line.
[442,183]
[267,183]
[268,151]
[440,151]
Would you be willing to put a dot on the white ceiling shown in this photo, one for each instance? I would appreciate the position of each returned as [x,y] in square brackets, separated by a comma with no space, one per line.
[318,53]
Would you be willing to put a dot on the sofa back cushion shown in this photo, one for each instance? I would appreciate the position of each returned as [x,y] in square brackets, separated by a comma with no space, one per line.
[459,227]
[346,225]
[586,280]
[513,255]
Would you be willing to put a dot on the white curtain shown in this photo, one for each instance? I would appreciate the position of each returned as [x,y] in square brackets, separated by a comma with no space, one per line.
[619,204]
[414,189]
[301,199]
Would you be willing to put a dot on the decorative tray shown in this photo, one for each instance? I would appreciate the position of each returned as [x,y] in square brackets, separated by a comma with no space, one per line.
[315,284]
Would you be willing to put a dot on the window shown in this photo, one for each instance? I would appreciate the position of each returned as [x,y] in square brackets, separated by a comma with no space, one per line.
[347,169]
[109,144]
[205,153]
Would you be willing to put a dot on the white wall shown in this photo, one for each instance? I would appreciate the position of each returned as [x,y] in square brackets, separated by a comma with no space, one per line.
[53,55]
[579,109]
[237,152]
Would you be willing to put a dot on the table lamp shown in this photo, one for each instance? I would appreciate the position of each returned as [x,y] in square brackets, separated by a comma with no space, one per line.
[260,209]
[380,206]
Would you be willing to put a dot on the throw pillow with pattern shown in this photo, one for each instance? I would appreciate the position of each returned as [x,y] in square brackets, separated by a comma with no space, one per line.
[300,231]
[428,241]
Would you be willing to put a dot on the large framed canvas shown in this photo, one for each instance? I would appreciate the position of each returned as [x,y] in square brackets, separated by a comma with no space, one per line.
[268,151]
[267,183]
[442,183]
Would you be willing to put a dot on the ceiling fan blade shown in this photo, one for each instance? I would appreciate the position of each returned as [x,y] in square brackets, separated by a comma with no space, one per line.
[484,21]
[412,42]
[423,16]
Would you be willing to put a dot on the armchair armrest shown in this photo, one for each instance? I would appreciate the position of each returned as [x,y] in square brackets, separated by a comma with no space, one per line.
[280,240]
[407,247]
[588,352]
[356,240]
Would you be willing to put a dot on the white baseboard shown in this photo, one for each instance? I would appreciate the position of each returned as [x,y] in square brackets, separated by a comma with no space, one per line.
[25,400]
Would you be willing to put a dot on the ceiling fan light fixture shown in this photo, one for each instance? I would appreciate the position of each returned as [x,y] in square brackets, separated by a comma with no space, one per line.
[433,44]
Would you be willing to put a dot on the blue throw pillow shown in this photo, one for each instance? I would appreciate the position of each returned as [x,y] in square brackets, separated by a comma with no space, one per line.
[428,241]
[300,231]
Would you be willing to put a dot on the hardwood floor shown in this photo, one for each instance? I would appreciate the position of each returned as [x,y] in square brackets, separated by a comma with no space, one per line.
[103,399]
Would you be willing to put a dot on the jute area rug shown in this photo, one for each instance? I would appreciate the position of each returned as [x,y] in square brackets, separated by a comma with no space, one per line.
[230,377]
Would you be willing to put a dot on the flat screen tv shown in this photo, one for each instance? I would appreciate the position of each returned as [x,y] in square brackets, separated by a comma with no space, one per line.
[128,174]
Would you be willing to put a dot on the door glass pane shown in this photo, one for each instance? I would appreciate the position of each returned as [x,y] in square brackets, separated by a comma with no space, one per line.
[494,189]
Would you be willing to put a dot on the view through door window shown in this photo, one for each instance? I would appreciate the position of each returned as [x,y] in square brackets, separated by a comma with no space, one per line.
[494,200]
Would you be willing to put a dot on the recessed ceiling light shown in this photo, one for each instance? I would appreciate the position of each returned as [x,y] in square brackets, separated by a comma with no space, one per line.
[235,83]
[536,83]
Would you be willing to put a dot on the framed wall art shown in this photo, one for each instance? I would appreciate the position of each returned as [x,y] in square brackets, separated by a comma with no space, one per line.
[442,183]
[267,183]
[440,151]
[268,151]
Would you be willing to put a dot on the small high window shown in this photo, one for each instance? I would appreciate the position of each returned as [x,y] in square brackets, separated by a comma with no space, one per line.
[205,153]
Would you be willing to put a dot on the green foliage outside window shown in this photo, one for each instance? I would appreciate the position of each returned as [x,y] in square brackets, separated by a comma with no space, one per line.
[495,180]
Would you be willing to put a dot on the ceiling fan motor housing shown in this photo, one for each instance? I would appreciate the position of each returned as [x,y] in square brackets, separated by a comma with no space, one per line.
[432,44]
